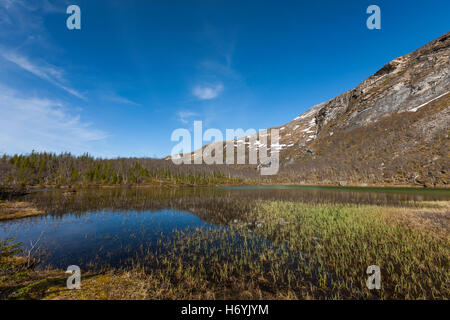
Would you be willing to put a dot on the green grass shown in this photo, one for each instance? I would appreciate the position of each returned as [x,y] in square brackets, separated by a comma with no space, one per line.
[344,240]
[302,251]
[281,250]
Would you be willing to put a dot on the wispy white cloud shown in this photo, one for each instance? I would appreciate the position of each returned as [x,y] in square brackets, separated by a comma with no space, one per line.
[217,69]
[184,116]
[36,123]
[208,92]
[49,73]
[21,19]
[116,98]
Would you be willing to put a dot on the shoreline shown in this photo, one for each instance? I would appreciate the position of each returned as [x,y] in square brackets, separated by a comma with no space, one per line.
[15,206]
[362,186]
[12,210]
[394,229]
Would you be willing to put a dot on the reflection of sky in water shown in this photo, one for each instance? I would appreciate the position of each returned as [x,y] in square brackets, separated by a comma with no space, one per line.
[109,235]
[112,225]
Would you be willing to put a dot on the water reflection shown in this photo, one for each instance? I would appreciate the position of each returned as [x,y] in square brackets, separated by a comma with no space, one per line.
[114,225]
[103,237]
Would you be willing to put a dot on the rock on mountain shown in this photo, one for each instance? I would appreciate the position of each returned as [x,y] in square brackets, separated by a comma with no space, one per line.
[393,128]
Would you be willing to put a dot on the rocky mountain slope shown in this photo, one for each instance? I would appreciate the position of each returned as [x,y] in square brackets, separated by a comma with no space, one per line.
[393,128]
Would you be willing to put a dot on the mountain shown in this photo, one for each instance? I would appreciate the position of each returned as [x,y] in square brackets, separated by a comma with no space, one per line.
[393,128]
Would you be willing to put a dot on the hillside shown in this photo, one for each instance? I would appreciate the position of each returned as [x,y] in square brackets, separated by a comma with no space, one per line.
[393,128]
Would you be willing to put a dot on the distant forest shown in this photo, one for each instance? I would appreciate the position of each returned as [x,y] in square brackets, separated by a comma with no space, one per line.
[18,172]
[58,170]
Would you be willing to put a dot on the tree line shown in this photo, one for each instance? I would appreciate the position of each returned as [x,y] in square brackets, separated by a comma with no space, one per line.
[65,169]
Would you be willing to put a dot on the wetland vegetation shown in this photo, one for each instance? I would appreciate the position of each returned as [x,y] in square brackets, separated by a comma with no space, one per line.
[229,243]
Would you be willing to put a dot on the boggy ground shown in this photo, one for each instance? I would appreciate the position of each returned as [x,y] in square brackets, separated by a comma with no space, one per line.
[279,250]
[17,209]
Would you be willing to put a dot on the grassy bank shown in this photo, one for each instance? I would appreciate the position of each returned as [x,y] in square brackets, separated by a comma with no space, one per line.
[277,250]
[17,209]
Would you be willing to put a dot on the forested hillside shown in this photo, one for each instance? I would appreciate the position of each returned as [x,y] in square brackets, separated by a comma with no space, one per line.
[48,169]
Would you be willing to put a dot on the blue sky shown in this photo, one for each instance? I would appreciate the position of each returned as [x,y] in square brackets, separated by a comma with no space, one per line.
[137,70]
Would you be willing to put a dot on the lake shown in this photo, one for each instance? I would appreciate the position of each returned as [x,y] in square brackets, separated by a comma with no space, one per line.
[113,226]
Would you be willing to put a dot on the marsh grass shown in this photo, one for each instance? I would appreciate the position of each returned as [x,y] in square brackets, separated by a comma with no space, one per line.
[345,239]
[269,249]
[17,209]
[287,250]
[303,251]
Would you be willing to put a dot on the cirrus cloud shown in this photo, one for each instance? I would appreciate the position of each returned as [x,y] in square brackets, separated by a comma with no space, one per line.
[38,123]
[49,73]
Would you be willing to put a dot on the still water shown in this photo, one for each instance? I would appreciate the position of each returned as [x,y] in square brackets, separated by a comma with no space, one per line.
[113,226]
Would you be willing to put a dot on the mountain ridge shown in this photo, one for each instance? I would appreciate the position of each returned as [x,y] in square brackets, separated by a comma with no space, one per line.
[390,129]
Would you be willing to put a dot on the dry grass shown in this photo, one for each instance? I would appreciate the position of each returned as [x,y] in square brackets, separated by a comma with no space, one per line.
[427,216]
[17,209]
[110,286]
[278,250]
